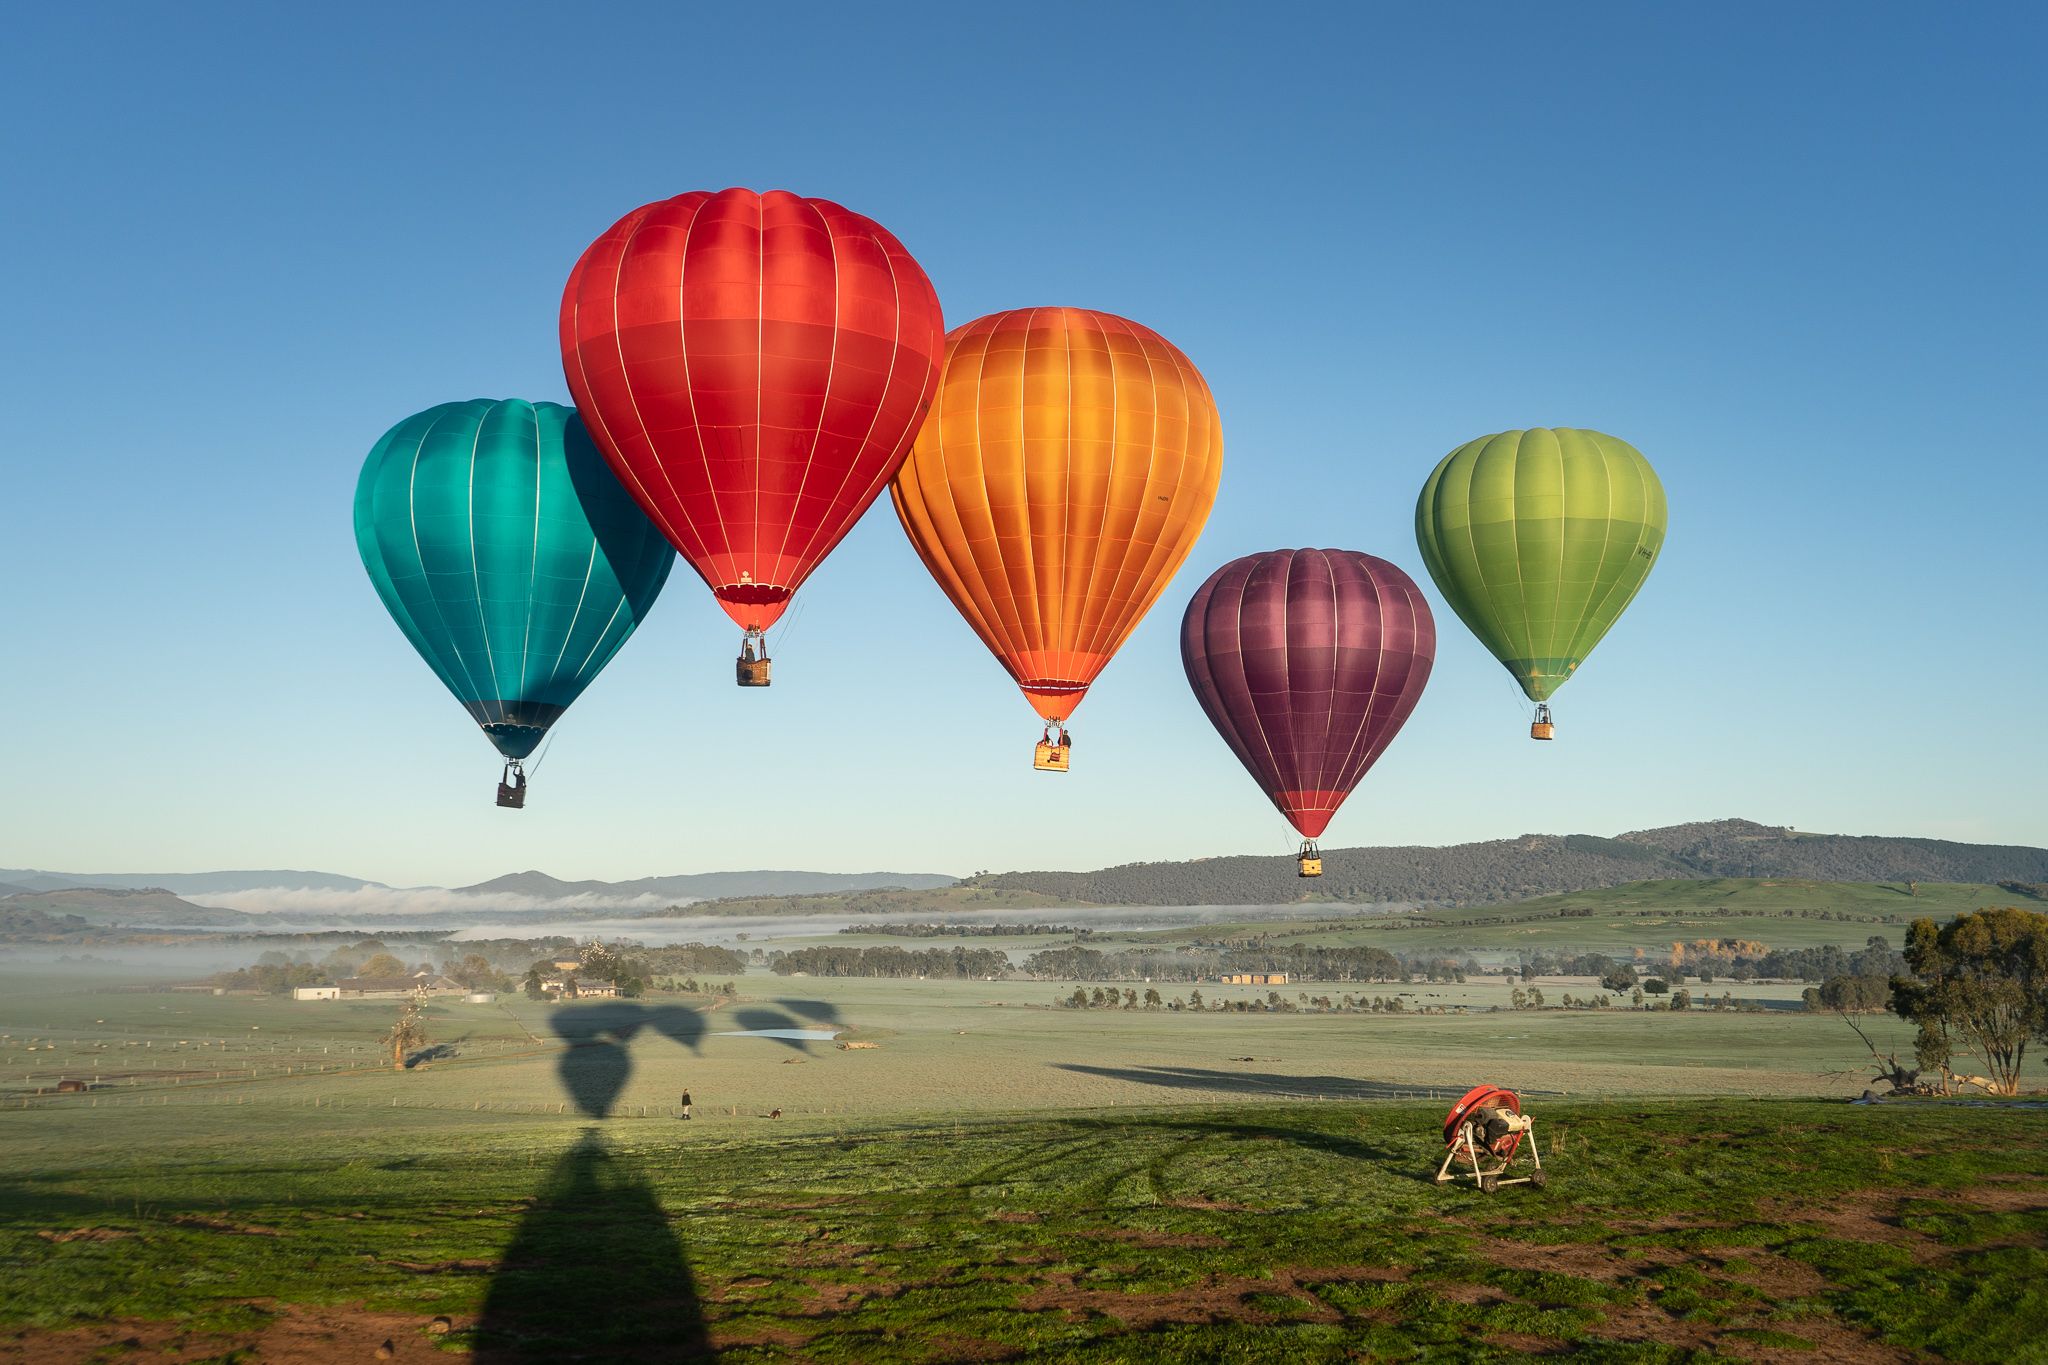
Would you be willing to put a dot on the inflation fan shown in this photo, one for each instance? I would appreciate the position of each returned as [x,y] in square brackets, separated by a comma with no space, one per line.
[1483,1133]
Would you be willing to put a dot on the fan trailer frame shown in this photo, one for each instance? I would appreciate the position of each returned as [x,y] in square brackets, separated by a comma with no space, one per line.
[1488,1160]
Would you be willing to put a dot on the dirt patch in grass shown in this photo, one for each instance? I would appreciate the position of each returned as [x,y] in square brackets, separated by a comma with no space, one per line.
[820,1252]
[1477,1295]
[200,1220]
[2013,1194]
[1016,1217]
[1583,1260]
[1152,1237]
[1646,1322]
[462,1267]
[1861,1216]
[970,1349]
[1305,1278]
[1218,1299]
[1830,1343]
[783,1337]
[290,1335]
[828,1299]
[1521,1343]
[83,1235]
[1777,1278]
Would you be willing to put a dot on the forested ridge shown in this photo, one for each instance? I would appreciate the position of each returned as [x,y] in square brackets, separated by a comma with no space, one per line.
[1502,870]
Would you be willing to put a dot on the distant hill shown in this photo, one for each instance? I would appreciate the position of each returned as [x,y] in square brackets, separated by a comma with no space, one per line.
[179,883]
[707,885]
[1503,870]
[234,888]
[1742,848]
[142,907]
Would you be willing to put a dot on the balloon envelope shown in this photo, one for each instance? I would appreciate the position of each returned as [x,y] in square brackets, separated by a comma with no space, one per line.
[508,554]
[1538,539]
[754,367]
[1308,662]
[1067,468]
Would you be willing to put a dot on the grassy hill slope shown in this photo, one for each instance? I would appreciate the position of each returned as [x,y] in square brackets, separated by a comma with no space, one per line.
[1780,912]
[144,908]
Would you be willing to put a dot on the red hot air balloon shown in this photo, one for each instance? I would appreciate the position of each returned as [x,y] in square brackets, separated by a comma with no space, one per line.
[1308,662]
[754,367]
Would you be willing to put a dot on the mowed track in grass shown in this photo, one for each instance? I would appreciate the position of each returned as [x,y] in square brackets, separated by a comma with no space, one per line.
[1750,1229]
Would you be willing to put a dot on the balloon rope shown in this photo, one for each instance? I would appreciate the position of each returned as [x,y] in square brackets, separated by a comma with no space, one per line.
[1522,699]
[782,641]
[546,745]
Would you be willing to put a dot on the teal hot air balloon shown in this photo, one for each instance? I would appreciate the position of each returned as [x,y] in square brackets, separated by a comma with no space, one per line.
[510,556]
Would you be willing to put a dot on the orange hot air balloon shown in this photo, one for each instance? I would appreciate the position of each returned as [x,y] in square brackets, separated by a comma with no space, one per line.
[1066,468]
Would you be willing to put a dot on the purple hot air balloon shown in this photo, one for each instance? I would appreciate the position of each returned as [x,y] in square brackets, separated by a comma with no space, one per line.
[1308,662]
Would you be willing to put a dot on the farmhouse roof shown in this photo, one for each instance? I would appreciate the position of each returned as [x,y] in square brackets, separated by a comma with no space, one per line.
[398,983]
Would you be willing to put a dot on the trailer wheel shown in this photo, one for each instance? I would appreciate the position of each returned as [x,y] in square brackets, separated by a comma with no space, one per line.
[1539,1178]
[1489,1183]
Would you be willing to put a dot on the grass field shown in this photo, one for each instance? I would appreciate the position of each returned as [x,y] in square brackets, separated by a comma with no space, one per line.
[967,1047]
[1281,1232]
[992,1179]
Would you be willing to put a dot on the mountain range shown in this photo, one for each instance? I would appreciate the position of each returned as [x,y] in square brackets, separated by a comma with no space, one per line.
[1489,872]
[1539,865]
[14,880]
[230,896]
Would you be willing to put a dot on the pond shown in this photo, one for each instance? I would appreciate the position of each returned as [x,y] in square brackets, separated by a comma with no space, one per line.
[813,1035]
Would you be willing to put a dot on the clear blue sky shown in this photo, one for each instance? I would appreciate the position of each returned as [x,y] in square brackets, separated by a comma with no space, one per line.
[1791,253]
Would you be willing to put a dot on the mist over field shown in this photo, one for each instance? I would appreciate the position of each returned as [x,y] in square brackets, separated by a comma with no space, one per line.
[305,905]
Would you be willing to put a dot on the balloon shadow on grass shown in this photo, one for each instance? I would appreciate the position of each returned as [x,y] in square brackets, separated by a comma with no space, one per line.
[595,1271]
[596,1063]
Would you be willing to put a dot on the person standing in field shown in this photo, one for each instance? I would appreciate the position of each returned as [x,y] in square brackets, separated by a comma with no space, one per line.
[686,1104]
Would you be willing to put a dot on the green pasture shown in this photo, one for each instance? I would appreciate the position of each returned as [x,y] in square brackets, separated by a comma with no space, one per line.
[992,1178]
[949,1047]
[1710,1229]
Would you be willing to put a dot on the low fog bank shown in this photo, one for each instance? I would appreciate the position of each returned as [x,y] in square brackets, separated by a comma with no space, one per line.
[303,906]
[146,962]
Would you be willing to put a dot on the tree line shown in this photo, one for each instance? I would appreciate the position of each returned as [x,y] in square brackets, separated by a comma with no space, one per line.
[962,930]
[889,961]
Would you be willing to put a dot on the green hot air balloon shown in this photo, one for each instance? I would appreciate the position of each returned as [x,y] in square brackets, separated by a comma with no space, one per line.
[1539,539]
[510,556]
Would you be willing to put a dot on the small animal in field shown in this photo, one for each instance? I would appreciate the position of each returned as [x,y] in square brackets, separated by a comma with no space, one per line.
[774,1113]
